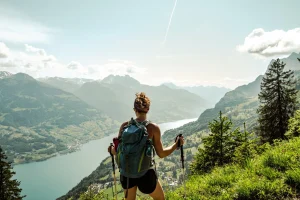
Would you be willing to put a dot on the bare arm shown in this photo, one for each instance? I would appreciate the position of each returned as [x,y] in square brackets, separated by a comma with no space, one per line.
[160,151]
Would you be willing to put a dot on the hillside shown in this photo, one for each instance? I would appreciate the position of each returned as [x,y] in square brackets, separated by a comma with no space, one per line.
[115,95]
[66,84]
[240,105]
[37,120]
[273,175]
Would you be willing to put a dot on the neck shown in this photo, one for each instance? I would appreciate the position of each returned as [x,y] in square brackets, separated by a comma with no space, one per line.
[141,117]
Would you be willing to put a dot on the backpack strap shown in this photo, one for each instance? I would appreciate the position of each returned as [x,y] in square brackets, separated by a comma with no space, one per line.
[146,122]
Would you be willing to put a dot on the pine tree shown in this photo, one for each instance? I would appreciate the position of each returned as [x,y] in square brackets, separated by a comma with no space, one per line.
[9,188]
[219,146]
[247,149]
[278,98]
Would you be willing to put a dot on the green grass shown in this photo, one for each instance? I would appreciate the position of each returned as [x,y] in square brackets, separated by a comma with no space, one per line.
[273,175]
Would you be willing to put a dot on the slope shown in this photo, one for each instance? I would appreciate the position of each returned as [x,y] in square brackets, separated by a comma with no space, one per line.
[37,120]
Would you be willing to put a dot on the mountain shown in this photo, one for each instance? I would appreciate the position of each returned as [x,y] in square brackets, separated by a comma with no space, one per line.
[210,93]
[4,74]
[38,120]
[115,95]
[121,80]
[66,84]
[240,105]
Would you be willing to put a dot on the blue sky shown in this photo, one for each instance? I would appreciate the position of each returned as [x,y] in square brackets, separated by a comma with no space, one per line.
[95,38]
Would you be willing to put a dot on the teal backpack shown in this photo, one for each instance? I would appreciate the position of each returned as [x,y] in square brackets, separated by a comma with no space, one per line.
[135,151]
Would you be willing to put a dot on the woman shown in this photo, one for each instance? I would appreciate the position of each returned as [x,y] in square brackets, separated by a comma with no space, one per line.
[149,183]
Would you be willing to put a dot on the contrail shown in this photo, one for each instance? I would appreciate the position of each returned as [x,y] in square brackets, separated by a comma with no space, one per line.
[170,22]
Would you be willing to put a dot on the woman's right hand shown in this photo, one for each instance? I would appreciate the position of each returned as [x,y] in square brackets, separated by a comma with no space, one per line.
[181,140]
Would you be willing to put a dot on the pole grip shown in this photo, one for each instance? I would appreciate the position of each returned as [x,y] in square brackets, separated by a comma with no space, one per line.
[178,142]
[112,157]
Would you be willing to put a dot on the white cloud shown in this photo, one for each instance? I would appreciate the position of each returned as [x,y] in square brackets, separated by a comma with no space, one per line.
[273,43]
[121,67]
[74,65]
[4,50]
[29,48]
[37,63]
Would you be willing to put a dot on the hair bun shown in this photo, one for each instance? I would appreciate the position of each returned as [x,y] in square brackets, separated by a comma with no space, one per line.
[141,102]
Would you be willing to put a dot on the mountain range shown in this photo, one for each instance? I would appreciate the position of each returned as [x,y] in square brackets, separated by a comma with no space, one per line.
[211,93]
[114,95]
[66,84]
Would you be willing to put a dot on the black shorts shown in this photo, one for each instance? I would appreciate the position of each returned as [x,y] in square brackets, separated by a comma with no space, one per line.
[146,183]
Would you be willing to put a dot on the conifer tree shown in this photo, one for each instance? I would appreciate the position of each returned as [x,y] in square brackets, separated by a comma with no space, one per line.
[248,148]
[9,188]
[219,146]
[278,98]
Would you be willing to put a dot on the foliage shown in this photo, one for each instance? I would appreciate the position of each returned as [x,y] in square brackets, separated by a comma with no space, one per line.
[219,146]
[294,125]
[248,148]
[9,188]
[272,175]
[278,102]
[92,194]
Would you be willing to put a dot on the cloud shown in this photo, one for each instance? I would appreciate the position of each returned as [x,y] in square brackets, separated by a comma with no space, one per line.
[122,67]
[74,65]
[4,50]
[8,64]
[38,63]
[29,48]
[273,43]
[41,53]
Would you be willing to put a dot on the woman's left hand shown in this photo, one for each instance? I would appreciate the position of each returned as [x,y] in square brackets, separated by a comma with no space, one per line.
[111,149]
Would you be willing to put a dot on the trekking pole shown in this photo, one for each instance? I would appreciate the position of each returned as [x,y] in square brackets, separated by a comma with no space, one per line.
[182,162]
[113,165]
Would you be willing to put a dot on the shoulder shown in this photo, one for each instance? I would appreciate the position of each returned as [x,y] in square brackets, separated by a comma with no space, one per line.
[123,125]
[153,126]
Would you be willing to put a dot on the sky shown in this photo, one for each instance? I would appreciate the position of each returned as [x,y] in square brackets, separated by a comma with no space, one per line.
[223,43]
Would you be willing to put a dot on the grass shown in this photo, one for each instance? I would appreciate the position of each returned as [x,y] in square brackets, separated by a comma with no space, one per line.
[273,175]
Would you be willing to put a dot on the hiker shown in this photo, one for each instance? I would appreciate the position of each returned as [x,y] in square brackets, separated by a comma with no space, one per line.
[148,183]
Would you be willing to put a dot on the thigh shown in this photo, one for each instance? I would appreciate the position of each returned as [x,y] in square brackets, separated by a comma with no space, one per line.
[132,187]
[131,195]
[158,193]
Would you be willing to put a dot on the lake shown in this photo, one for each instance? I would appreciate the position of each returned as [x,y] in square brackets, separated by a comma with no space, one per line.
[52,178]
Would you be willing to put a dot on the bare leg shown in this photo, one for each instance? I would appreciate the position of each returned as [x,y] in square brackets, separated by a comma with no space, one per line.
[158,193]
[131,193]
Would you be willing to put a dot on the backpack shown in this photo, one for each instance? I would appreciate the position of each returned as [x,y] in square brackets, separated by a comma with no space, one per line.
[135,151]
